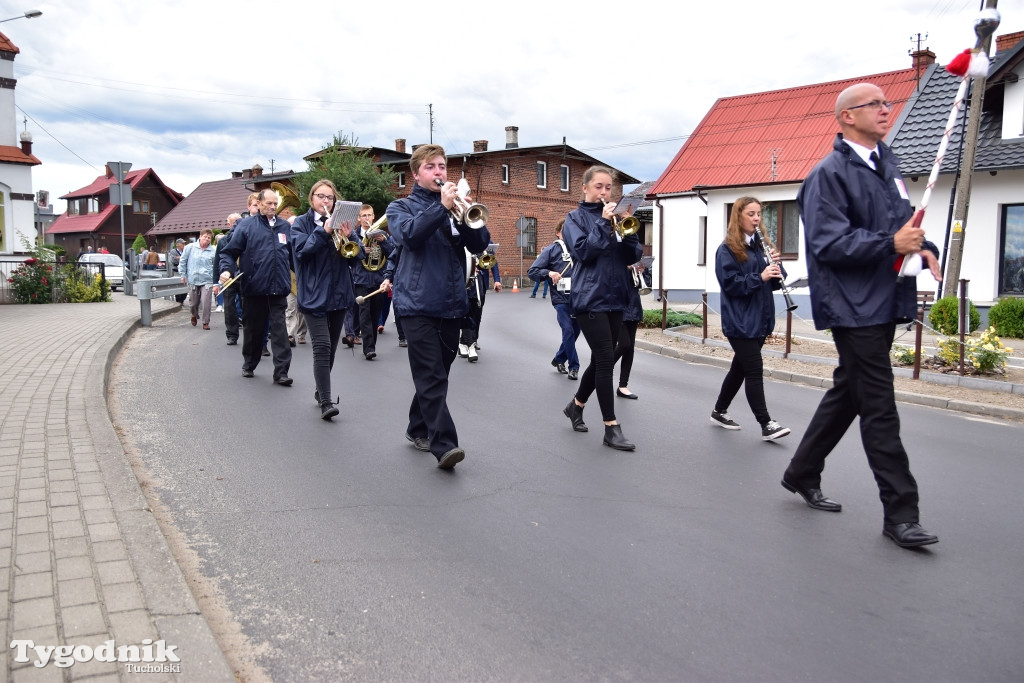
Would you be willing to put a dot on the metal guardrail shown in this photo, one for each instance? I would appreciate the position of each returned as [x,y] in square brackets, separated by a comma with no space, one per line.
[156,288]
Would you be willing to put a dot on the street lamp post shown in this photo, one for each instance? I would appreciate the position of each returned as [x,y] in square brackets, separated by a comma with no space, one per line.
[31,14]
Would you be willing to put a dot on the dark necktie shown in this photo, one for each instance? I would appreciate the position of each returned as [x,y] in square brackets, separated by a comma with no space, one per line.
[878,163]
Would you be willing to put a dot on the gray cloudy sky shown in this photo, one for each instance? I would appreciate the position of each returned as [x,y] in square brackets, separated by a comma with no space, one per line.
[198,89]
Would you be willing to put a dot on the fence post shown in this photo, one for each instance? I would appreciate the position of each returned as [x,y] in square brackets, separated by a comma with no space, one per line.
[963,320]
[704,301]
[917,338]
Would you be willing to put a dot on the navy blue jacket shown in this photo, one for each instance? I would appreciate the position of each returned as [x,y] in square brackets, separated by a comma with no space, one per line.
[747,303]
[553,258]
[430,278]
[323,277]
[265,256]
[850,214]
[600,278]
[368,278]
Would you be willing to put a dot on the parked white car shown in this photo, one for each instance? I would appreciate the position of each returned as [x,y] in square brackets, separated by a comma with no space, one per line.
[113,268]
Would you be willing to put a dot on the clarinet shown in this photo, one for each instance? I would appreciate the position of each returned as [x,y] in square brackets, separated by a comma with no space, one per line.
[790,306]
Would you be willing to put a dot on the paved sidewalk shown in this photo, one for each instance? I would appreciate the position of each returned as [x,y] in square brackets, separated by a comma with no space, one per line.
[82,559]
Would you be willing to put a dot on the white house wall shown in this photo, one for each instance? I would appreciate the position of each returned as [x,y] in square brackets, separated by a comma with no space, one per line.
[982,245]
[1013,110]
[19,214]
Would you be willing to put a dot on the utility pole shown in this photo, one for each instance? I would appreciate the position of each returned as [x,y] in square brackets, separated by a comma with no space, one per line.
[430,113]
[983,28]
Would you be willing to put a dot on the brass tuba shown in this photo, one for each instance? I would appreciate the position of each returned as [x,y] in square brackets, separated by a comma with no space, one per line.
[286,196]
[375,257]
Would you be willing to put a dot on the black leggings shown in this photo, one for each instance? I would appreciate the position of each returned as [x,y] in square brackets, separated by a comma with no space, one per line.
[600,330]
[747,369]
[624,349]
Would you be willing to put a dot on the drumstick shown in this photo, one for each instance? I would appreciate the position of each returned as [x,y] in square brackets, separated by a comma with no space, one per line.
[361,299]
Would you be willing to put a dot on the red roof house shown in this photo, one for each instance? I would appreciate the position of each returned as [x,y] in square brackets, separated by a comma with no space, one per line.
[92,220]
[761,145]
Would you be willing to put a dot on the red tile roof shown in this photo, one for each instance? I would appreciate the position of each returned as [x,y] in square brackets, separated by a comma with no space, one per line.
[14,155]
[7,46]
[101,186]
[85,223]
[733,144]
[207,207]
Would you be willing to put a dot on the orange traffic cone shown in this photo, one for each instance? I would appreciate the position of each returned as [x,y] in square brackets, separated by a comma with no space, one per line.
[515,286]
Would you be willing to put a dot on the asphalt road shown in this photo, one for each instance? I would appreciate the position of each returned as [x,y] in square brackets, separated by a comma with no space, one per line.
[342,552]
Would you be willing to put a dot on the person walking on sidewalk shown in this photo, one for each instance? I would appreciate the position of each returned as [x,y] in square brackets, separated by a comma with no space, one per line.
[747,281]
[196,270]
[859,224]
[555,264]
[600,293]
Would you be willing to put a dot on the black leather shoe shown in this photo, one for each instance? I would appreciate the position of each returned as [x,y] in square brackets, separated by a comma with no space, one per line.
[618,392]
[283,380]
[328,410]
[247,373]
[575,415]
[451,459]
[266,351]
[421,443]
[813,497]
[613,437]
[371,355]
[560,367]
[348,340]
[909,535]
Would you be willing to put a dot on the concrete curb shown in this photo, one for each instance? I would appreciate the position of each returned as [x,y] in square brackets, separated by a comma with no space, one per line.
[973,408]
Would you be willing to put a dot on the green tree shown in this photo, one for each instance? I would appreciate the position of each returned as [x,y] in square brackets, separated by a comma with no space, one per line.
[139,244]
[353,172]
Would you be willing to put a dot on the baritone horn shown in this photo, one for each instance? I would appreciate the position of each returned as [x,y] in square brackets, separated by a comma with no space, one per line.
[486,261]
[790,306]
[471,214]
[627,226]
[346,247]
[375,257]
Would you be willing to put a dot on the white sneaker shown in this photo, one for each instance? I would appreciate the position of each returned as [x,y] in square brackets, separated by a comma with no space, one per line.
[473,354]
[463,351]
[219,309]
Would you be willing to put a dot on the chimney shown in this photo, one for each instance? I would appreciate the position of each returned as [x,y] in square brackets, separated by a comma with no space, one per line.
[922,59]
[26,142]
[236,174]
[511,137]
[247,173]
[479,146]
[416,147]
[1004,43]
[400,145]
[257,171]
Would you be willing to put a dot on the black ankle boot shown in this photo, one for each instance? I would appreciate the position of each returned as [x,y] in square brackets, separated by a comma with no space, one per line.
[575,415]
[328,410]
[613,437]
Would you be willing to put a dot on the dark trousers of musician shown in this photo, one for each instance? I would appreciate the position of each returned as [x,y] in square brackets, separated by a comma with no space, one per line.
[471,332]
[232,304]
[369,314]
[624,350]
[862,386]
[747,369]
[570,332]
[600,330]
[433,345]
[259,312]
[324,334]
[352,321]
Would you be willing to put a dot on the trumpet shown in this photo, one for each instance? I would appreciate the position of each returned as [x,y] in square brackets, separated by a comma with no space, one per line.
[346,247]
[471,214]
[486,261]
[627,226]
[790,306]
[639,281]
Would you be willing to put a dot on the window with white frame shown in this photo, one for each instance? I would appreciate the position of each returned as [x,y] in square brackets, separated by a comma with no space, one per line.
[401,178]
[1011,262]
[565,178]
[542,174]
[781,223]
[504,174]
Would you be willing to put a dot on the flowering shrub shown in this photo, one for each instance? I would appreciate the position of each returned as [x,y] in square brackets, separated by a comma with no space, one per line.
[904,355]
[984,354]
[81,288]
[32,282]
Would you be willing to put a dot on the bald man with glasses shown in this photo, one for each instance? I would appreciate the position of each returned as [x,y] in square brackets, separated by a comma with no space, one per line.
[858,224]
